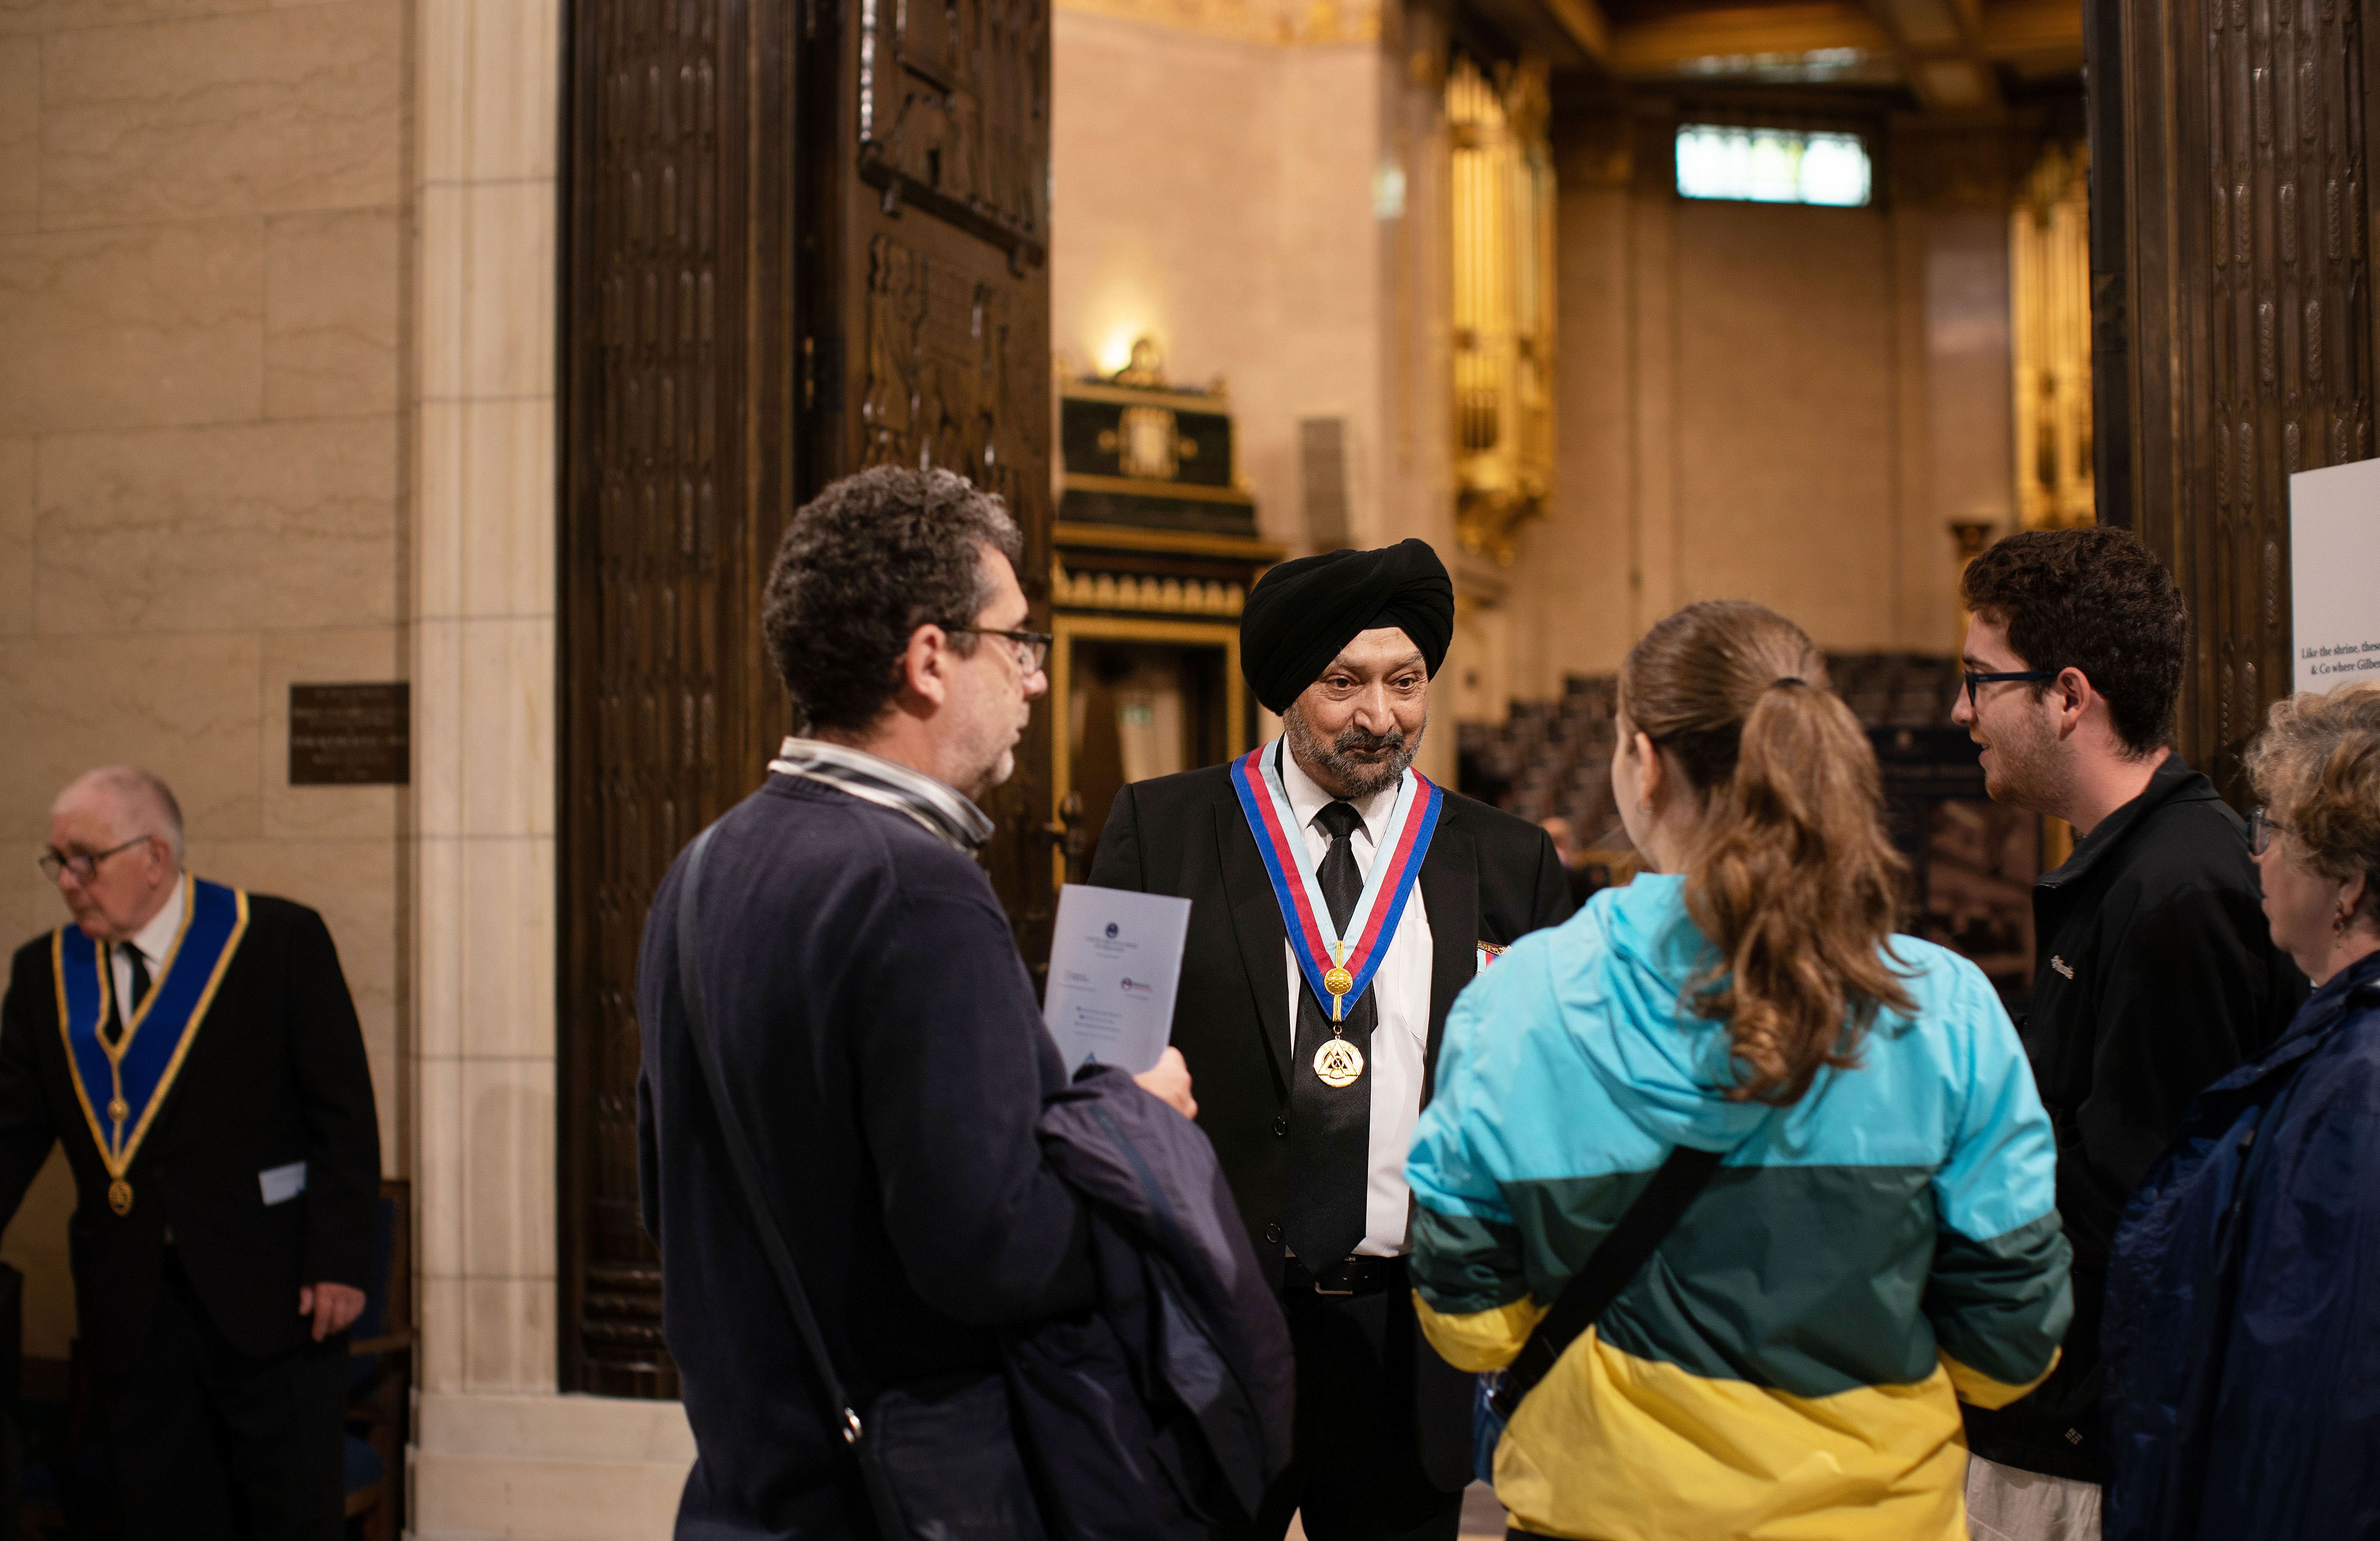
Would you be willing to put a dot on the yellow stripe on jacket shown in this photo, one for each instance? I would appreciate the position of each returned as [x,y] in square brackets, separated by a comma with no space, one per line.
[1611,1446]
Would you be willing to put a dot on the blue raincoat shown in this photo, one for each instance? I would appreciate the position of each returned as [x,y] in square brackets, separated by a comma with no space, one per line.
[2242,1333]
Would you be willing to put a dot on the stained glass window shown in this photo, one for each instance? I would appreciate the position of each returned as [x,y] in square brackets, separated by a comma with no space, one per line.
[1772,166]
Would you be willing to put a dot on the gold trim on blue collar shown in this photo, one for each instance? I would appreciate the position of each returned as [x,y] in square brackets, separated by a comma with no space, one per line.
[140,1068]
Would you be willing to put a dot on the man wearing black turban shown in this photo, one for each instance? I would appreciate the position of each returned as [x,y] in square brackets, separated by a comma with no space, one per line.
[1304,612]
[1344,647]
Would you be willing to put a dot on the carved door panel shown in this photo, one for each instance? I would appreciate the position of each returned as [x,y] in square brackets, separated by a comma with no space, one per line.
[675,483]
[925,234]
[2233,325]
[800,239]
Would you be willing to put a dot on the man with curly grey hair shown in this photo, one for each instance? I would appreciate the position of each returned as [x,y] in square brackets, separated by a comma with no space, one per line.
[883,593]
[875,1026]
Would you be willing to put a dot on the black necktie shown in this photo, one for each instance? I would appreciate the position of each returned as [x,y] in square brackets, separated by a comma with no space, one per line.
[117,1009]
[1330,1127]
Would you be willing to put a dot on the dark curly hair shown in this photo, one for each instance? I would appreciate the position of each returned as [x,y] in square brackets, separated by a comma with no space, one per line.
[864,564]
[2091,599]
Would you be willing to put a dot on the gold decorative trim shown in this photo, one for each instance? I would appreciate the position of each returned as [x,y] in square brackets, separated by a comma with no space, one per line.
[1083,481]
[116,1155]
[2049,301]
[1144,591]
[1282,24]
[1126,537]
[1066,630]
[1131,396]
[1501,189]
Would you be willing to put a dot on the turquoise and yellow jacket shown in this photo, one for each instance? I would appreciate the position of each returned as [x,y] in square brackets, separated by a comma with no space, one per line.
[1787,1364]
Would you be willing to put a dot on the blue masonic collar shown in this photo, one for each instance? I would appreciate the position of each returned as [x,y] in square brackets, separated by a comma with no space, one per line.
[121,1086]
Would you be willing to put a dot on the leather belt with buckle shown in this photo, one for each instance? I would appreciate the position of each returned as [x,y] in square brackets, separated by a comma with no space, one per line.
[1349,1275]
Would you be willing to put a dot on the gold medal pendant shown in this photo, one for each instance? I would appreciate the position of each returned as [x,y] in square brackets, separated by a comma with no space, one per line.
[119,1196]
[1339,1063]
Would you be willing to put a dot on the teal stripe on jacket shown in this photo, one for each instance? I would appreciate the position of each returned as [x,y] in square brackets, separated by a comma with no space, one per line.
[1900,1206]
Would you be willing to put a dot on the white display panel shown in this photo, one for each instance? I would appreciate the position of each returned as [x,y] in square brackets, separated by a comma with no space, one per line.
[2334,574]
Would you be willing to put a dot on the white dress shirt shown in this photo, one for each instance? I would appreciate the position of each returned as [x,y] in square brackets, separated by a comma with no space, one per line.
[1400,1035]
[154,940]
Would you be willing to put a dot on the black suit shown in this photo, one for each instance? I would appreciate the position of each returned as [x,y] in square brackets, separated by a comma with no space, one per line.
[1487,877]
[205,1326]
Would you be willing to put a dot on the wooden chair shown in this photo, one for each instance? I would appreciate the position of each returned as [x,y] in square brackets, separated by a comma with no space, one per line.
[380,1390]
[75,1502]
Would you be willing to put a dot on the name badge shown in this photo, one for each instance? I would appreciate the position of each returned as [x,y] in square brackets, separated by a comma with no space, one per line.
[282,1183]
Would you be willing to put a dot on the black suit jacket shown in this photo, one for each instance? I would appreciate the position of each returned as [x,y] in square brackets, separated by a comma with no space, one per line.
[1489,877]
[275,1074]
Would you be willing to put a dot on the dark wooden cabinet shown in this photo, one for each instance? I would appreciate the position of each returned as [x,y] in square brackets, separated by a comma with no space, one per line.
[1156,549]
[1144,674]
[799,239]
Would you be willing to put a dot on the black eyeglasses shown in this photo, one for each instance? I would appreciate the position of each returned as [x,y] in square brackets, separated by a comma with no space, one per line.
[83,865]
[1032,647]
[2262,828]
[1974,679]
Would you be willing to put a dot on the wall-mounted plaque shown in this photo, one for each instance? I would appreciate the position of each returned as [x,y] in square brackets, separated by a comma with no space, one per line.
[351,735]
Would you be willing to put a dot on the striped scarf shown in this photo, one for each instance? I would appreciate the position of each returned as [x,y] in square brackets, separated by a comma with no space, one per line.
[943,812]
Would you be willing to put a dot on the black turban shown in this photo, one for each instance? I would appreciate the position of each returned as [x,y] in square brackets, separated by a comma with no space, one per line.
[1302,613]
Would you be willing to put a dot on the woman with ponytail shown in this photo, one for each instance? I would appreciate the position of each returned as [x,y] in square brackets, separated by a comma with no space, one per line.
[1855,1224]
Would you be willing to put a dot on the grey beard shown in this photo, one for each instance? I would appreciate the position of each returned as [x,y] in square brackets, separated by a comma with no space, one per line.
[1357,778]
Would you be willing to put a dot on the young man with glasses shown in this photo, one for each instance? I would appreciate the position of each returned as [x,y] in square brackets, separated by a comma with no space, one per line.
[2156,973]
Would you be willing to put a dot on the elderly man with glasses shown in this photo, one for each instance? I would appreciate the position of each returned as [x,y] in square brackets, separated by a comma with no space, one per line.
[196,1050]
[2155,976]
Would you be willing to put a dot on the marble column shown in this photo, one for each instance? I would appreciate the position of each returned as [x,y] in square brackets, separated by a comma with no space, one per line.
[498,1451]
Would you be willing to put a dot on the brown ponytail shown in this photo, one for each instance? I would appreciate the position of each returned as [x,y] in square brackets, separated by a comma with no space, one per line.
[1790,874]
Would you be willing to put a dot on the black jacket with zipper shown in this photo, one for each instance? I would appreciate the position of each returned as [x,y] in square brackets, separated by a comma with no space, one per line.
[2155,975]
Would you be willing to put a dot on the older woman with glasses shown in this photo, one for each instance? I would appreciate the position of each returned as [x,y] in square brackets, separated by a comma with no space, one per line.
[2243,1306]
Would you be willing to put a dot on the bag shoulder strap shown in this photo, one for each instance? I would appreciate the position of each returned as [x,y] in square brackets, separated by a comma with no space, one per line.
[1649,1218]
[739,1149]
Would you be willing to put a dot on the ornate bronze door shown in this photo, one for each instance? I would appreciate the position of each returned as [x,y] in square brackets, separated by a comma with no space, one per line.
[926,341]
[2233,326]
[800,240]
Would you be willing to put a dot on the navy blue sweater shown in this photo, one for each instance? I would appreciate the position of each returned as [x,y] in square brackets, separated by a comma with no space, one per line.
[881,1035]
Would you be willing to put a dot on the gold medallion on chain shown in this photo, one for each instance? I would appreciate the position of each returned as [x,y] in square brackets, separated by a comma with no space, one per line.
[1339,1063]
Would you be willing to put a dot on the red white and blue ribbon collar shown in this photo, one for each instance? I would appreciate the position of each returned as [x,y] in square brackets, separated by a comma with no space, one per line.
[1396,864]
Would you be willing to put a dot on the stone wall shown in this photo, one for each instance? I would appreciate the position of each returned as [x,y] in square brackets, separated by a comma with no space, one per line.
[201,457]
[1266,198]
[1217,193]
[1772,402]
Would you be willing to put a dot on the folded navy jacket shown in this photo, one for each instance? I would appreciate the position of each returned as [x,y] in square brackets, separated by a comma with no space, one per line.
[1165,1410]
